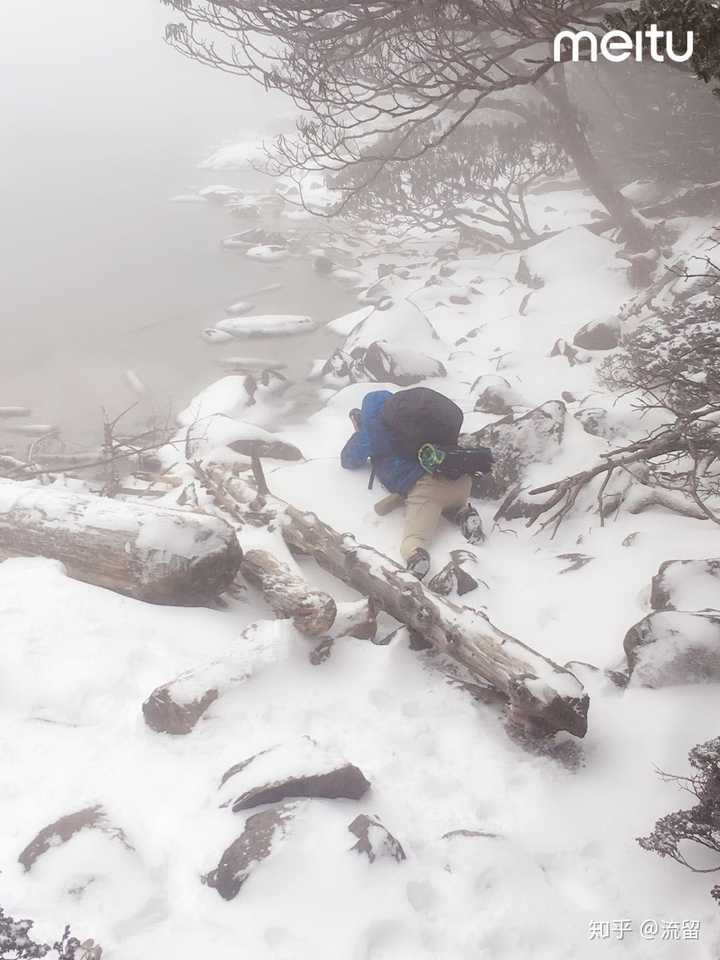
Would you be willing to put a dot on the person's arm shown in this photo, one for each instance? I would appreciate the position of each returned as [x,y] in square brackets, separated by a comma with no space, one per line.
[356,451]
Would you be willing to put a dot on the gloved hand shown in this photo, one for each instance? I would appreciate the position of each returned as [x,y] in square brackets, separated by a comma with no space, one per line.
[430,457]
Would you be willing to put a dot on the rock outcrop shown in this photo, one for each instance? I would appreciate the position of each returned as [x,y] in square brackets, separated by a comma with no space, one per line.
[300,769]
[516,443]
[263,831]
[64,829]
[687,585]
[375,840]
[674,647]
[598,335]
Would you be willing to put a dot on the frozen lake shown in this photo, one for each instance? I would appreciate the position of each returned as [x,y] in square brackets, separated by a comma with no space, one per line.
[101,273]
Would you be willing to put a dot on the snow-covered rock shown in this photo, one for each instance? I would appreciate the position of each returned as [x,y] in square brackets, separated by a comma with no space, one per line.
[221,438]
[687,585]
[375,840]
[297,769]
[269,252]
[598,334]
[345,324]
[535,436]
[263,834]
[227,396]
[493,394]
[393,362]
[64,829]
[404,321]
[267,325]
[674,647]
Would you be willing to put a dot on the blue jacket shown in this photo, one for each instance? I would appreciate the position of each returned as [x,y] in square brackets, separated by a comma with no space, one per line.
[397,473]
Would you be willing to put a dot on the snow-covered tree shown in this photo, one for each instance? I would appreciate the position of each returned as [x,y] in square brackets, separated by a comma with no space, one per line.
[476,179]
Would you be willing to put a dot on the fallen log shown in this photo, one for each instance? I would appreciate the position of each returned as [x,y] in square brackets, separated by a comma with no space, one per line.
[152,553]
[312,611]
[176,707]
[541,694]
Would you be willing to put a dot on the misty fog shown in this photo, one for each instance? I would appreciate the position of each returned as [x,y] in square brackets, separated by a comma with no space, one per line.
[102,125]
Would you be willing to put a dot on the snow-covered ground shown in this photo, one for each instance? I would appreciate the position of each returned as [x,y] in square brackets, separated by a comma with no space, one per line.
[509,854]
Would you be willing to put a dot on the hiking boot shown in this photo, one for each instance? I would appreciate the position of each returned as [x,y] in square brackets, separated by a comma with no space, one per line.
[418,563]
[468,519]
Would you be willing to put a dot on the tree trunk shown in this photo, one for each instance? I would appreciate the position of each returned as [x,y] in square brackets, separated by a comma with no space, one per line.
[573,140]
[151,553]
[541,693]
[312,611]
[176,707]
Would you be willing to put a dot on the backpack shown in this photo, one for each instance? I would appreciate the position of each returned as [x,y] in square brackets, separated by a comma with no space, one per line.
[421,415]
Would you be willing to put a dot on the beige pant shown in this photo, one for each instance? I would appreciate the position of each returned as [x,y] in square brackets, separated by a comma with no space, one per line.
[424,505]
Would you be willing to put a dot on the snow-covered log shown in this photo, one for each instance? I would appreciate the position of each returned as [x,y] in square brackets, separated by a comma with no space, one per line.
[312,611]
[541,693]
[151,553]
[177,706]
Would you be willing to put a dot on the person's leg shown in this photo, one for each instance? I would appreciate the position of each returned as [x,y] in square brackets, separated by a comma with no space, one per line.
[462,512]
[456,493]
[423,507]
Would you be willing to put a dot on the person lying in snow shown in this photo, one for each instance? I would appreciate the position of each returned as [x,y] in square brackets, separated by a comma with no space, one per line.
[410,439]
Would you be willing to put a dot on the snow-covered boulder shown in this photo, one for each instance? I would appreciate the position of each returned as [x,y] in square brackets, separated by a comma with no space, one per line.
[227,396]
[493,394]
[345,324]
[297,769]
[375,840]
[687,585]
[262,835]
[392,287]
[673,647]
[536,436]
[598,334]
[222,436]
[240,397]
[268,252]
[63,830]
[340,369]
[404,321]
[267,325]
[176,707]
[393,362]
